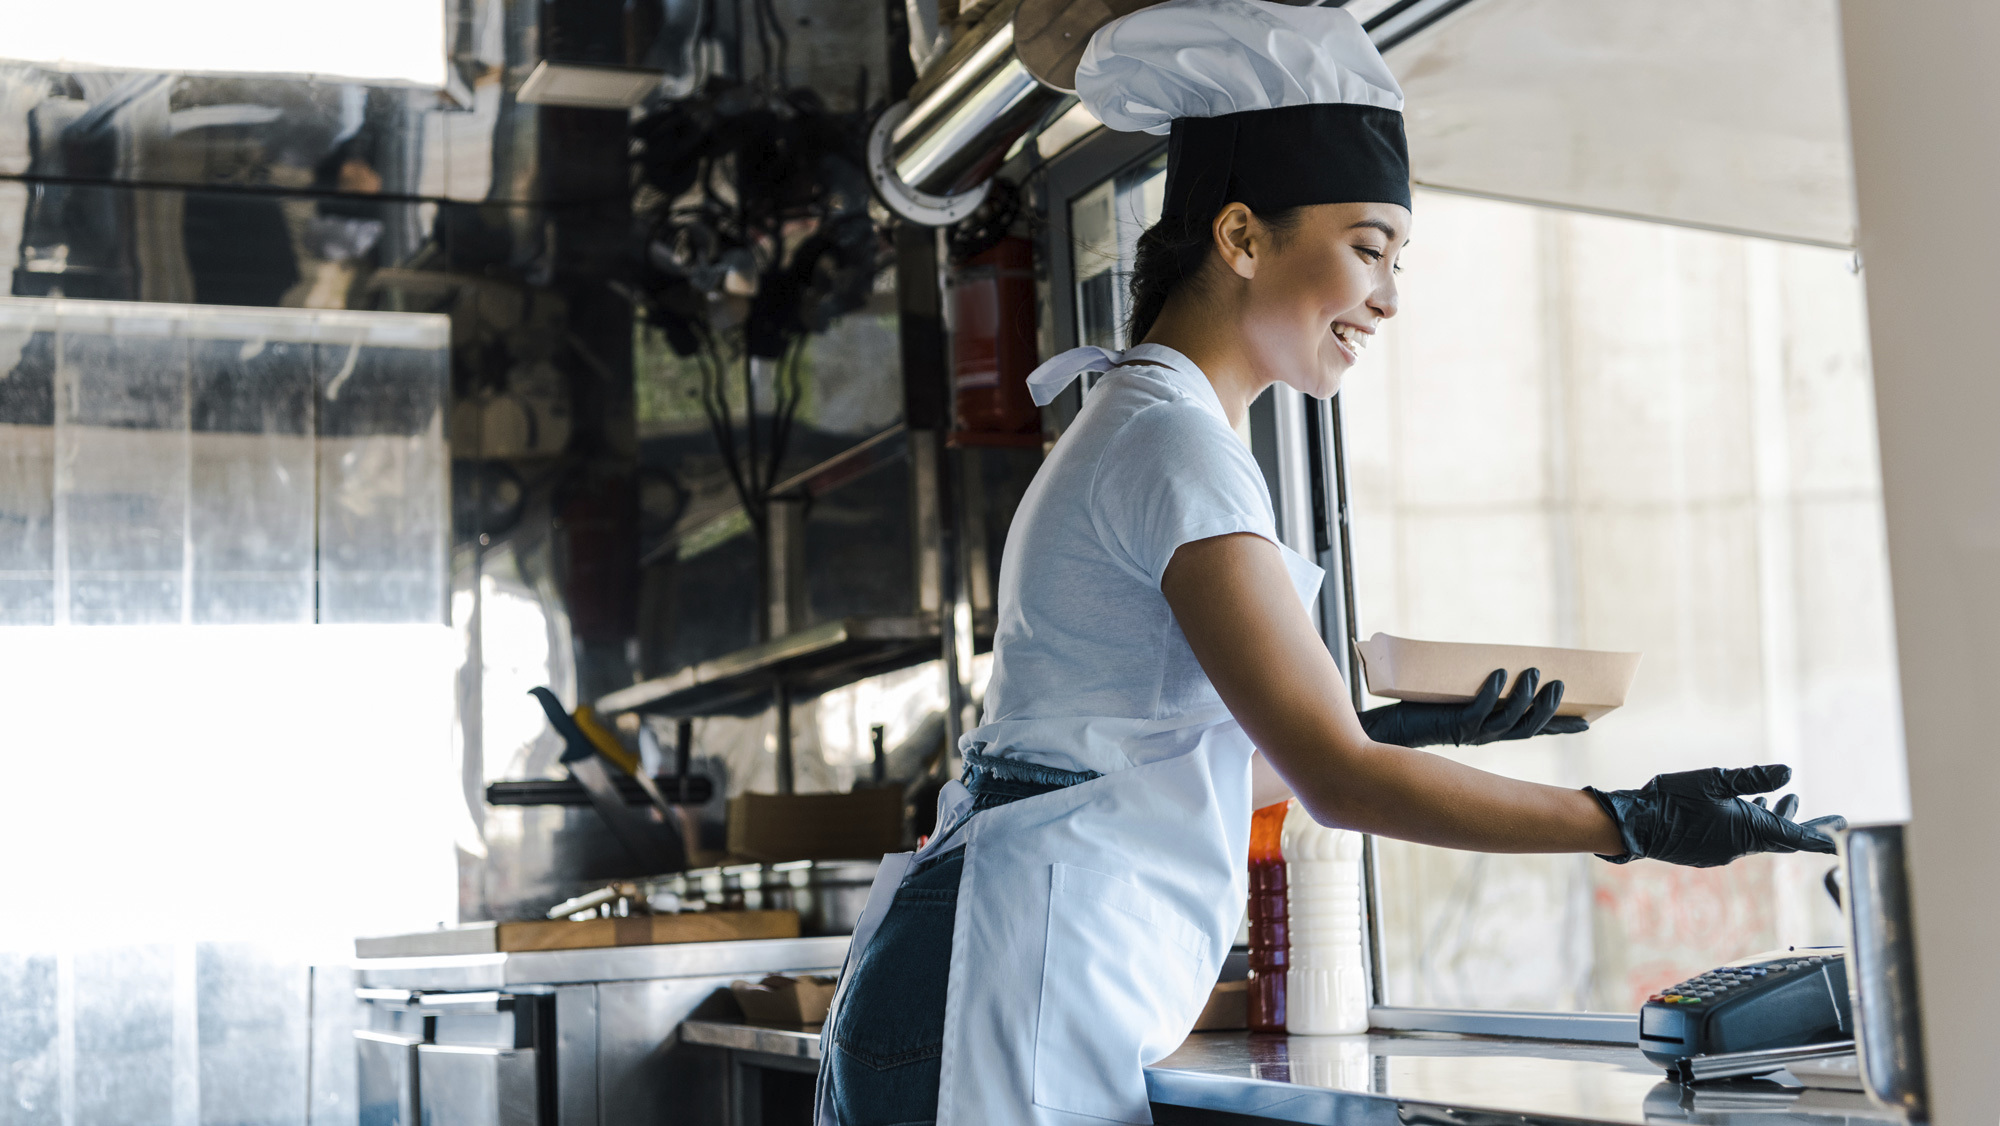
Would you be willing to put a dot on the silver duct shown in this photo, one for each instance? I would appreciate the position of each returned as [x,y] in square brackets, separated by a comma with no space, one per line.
[932,157]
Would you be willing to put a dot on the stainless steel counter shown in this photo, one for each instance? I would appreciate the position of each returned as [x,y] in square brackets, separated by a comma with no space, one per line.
[599,1048]
[603,964]
[1413,1077]
[1403,1079]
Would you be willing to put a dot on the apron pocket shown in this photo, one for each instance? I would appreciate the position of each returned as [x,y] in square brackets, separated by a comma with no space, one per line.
[1120,975]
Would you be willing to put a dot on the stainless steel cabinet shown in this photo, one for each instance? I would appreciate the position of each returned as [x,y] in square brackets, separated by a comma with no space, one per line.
[387,1066]
[569,1037]
[466,1058]
[462,1085]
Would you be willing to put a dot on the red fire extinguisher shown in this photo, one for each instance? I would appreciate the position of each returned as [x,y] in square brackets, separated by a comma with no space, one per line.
[993,347]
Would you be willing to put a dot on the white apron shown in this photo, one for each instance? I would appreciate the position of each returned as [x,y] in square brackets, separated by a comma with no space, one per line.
[1092,920]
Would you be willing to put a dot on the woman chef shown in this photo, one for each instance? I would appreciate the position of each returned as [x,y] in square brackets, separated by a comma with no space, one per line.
[1064,925]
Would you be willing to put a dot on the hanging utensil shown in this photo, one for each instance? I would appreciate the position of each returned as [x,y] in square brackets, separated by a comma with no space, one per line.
[651,845]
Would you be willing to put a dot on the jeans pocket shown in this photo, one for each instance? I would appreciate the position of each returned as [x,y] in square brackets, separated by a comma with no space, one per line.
[889,1034]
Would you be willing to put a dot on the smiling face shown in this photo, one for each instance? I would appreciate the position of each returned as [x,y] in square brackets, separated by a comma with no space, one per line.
[1311,296]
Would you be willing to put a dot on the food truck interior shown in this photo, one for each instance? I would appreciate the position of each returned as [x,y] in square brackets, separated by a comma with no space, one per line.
[503,508]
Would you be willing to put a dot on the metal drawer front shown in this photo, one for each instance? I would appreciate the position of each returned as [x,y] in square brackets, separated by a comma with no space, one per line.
[468,1086]
[386,1066]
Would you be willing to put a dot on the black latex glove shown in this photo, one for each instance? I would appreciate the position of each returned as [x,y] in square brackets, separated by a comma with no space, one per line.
[1525,714]
[1699,817]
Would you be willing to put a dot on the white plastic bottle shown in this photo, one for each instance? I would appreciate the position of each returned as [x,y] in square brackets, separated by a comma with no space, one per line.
[1326,981]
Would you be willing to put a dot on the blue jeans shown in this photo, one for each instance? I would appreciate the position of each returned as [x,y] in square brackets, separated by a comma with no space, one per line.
[889,1034]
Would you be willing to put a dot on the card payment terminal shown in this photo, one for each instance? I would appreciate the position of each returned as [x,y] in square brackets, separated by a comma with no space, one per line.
[1777,1000]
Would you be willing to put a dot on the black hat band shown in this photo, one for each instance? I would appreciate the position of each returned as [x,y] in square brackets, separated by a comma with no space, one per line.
[1287,156]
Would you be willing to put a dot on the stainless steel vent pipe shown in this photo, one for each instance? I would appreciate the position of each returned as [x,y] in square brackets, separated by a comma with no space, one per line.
[932,157]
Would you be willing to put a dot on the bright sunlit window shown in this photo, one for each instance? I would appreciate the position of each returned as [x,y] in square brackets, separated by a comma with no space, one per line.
[1611,434]
[397,41]
[226,692]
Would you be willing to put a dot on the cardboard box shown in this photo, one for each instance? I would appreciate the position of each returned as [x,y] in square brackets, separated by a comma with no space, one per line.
[773,828]
[1442,672]
[1228,1007]
[779,999]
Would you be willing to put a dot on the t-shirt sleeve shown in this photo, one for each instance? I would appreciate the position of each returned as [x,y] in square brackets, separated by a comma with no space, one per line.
[1172,475]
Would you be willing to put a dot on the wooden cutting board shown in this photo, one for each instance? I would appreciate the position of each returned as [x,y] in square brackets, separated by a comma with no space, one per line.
[562,934]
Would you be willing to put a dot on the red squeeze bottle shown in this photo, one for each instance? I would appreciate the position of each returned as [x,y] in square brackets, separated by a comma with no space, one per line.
[1268,944]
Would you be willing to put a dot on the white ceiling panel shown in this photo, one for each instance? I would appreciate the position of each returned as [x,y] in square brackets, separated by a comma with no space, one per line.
[1711,113]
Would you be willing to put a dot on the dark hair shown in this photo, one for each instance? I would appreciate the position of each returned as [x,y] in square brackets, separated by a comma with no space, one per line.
[1177,249]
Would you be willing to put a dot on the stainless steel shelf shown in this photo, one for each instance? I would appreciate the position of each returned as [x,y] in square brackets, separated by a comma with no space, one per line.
[797,1041]
[806,663]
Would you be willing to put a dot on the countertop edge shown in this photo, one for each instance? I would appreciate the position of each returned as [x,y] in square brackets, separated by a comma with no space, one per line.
[604,963]
[1281,1100]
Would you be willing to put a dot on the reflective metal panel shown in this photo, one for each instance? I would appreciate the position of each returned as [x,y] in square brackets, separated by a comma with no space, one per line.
[170,475]
[27,468]
[250,1006]
[34,1092]
[251,476]
[382,472]
[386,1064]
[123,1029]
[640,1067]
[332,1084]
[576,1055]
[465,1086]
[122,449]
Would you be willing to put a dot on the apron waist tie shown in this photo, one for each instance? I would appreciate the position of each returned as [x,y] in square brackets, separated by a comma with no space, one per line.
[996,781]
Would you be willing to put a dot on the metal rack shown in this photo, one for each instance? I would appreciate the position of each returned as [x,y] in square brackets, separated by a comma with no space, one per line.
[808,662]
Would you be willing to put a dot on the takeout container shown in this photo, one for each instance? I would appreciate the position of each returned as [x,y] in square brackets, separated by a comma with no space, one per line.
[779,999]
[1443,672]
[1228,1008]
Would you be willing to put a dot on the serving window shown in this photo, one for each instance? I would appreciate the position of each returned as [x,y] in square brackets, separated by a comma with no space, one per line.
[1599,431]
[1611,434]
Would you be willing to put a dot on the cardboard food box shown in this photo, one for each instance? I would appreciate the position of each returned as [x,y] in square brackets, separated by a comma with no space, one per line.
[773,828]
[1441,672]
[1228,1007]
[779,999]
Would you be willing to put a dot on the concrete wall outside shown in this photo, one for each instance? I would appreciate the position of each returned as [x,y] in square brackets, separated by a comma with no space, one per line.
[1595,432]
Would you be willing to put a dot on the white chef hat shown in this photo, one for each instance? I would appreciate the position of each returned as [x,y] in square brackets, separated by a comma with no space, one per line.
[1269,105]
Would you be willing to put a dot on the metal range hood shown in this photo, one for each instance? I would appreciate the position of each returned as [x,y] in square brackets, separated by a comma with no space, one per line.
[932,156]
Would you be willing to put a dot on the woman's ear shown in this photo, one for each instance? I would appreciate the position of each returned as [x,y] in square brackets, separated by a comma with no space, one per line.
[1234,232]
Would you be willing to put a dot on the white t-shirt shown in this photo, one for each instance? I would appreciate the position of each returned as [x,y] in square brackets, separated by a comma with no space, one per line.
[1083,631]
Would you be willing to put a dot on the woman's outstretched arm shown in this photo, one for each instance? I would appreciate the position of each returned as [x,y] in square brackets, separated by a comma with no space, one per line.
[1236,605]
